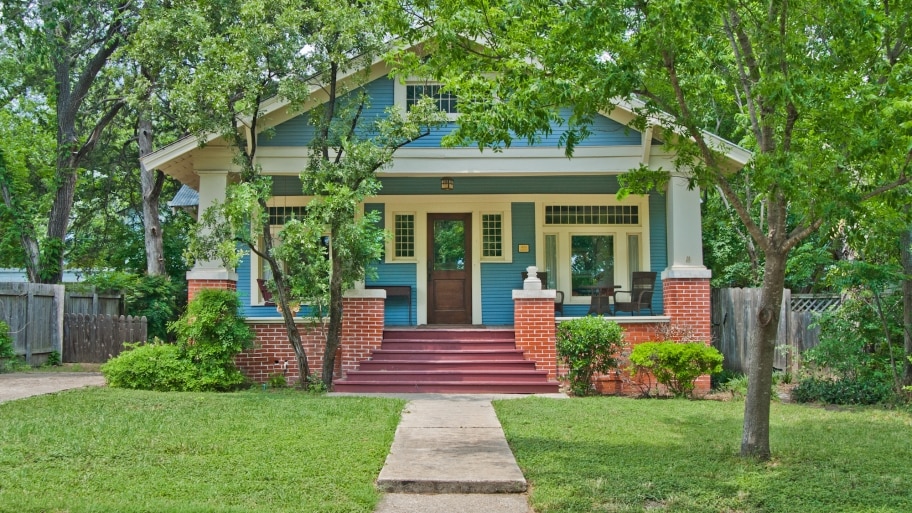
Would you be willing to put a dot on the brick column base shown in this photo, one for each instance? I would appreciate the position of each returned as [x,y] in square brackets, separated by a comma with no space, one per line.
[533,324]
[687,302]
[362,326]
[199,280]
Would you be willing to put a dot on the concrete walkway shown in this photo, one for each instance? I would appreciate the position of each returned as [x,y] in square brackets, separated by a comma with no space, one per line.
[19,385]
[449,455]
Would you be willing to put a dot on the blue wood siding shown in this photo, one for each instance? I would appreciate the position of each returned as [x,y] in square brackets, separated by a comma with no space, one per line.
[603,132]
[395,310]
[498,281]
[243,288]
[299,132]
[658,246]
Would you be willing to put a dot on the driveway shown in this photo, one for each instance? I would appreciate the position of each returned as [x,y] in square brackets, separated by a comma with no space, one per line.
[18,385]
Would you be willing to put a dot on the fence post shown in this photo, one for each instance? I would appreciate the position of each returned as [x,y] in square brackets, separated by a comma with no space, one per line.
[59,295]
[30,316]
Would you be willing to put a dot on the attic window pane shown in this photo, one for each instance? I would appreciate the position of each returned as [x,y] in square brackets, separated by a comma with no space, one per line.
[446,101]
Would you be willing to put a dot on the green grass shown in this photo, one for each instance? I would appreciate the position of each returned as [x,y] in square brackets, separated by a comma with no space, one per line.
[108,450]
[626,455]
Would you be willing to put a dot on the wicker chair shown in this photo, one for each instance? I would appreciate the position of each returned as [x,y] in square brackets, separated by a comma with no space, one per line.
[642,287]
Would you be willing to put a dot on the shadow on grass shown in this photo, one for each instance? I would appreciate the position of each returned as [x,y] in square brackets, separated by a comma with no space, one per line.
[615,454]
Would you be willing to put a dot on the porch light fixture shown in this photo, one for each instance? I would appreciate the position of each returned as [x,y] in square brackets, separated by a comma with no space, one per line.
[446,183]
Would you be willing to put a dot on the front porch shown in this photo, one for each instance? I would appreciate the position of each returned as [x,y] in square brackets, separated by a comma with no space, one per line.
[531,366]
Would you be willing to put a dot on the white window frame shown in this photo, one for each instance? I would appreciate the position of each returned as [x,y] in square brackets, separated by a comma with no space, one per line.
[391,243]
[620,233]
[504,228]
[399,93]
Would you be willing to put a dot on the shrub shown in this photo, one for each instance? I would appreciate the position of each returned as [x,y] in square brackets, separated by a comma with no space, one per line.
[843,391]
[854,363]
[852,342]
[154,297]
[153,366]
[676,365]
[209,334]
[737,386]
[588,345]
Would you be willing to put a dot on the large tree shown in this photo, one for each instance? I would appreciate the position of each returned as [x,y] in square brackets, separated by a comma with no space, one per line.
[63,48]
[804,84]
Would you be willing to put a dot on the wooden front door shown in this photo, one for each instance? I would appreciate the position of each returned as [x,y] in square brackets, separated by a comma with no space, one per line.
[449,269]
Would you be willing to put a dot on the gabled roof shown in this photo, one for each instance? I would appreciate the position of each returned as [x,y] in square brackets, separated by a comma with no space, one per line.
[177,159]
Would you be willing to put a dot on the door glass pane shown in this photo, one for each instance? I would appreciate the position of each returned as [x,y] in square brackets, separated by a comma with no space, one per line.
[551,260]
[591,262]
[449,245]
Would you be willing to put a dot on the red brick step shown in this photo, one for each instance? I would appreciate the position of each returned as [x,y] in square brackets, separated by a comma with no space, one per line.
[447,361]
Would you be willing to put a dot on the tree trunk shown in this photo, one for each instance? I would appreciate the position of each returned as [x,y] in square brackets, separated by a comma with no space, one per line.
[59,220]
[152,182]
[755,438]
[65,177]
[905,241]
[282,299]
[334,334]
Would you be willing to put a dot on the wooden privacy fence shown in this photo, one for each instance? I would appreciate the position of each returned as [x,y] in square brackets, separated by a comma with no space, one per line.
[96,338]
[35,314]
[734,318]
[92,302]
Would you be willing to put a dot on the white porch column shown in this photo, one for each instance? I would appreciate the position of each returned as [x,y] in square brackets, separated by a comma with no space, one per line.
[685,234]
[212,188]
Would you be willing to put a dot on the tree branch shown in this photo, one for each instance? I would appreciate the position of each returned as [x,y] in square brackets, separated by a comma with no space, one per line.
[740,64]
[93,67]
[96,132]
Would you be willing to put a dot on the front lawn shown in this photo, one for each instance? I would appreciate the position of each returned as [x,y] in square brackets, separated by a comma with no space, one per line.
[623,455]
[107,450]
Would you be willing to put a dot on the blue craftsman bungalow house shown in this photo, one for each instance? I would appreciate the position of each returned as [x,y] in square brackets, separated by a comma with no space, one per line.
[465,225]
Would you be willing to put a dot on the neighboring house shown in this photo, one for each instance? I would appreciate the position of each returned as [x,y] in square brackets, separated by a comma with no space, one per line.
[493,214]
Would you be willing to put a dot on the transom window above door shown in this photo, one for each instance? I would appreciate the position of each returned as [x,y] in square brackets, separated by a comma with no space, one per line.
[592,215]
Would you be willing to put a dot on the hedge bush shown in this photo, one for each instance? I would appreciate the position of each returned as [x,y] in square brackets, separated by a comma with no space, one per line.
[209,335]
[158,367]
[843,391]
[676,365]
[588,346]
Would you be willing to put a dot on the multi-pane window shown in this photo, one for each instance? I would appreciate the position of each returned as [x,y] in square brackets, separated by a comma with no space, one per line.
[404,236]
[592,214]
[492,235]
[278,216]
[446,101]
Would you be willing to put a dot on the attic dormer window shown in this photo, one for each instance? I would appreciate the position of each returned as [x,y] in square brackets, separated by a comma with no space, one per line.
[446,101]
